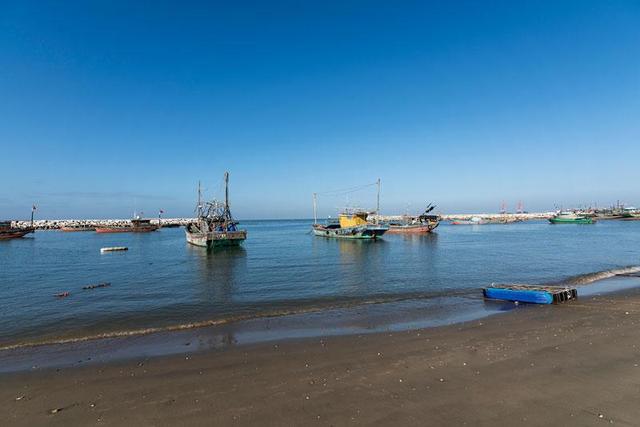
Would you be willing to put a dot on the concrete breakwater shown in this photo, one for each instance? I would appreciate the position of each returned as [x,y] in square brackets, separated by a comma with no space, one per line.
[507,217]
[55,224]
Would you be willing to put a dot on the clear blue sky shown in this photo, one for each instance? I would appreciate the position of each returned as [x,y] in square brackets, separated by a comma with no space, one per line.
[109,106]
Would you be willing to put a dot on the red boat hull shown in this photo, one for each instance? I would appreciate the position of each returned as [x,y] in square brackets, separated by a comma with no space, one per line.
[15,233]
[421,229]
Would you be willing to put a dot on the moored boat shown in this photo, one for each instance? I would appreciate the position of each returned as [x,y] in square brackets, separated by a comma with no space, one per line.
[214,226]
[570,218]
[423,223]
[135,225]
[352,224]
[8,231]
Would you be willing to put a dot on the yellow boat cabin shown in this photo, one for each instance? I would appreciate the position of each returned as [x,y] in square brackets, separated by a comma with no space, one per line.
[353,219]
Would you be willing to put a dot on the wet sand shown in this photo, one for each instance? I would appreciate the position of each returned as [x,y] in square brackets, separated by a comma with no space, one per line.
[572,364]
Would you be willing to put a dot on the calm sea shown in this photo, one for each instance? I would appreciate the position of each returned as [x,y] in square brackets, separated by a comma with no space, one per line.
[163,283]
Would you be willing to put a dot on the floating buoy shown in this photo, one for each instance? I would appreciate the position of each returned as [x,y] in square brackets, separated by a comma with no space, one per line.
[114,249]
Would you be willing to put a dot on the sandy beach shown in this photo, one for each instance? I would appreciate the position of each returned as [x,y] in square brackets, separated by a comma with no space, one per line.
[572,364]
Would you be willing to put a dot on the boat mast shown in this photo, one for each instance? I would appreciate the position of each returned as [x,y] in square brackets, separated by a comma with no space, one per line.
[378,202]
[199,207]
[315,208]
[227,211]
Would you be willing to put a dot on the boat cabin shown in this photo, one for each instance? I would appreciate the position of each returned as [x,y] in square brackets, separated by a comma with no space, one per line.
[139,222]
[5,225]
[353,219]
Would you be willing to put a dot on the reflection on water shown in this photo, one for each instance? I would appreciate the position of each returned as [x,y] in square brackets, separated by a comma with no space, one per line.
[218,271]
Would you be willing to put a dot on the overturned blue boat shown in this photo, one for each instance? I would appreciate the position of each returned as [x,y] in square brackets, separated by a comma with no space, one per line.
[530,293]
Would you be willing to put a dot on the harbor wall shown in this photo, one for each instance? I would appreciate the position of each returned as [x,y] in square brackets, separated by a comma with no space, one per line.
[54,224]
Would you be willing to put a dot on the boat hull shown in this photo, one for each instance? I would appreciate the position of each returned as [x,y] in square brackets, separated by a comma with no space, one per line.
[571,220]
[411,229]
[217,239]
[530,294]
[126,229]
[355,233]
[15,233]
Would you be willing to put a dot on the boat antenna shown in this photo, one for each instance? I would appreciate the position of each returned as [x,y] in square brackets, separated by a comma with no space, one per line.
[315,208]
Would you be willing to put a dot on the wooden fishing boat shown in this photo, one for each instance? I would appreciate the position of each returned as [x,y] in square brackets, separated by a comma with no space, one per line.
[7,231]
[214,226]
[136,225]
[423,223]
[352,223]
[570,218]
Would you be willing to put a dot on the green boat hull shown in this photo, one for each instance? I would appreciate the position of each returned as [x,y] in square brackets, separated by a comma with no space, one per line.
[571,220]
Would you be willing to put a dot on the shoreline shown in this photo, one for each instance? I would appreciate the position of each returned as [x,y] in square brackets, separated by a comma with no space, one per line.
[569,364]
[363,317]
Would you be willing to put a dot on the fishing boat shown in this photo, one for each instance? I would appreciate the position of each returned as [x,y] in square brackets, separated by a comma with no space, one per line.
[564,217]
[7,231]
[135,225]
[214,225]
[353,223]
[424,223]
[473,221]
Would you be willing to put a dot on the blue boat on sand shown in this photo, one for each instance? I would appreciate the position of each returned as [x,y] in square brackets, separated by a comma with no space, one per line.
[530,294]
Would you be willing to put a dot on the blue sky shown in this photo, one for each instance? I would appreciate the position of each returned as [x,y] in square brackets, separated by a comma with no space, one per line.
[111,106]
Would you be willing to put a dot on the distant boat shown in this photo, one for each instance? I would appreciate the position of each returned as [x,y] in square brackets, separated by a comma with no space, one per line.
[352,223]
[136,225]
[7,231]
[423,223]
[214,226]
[570,218]
[473,221]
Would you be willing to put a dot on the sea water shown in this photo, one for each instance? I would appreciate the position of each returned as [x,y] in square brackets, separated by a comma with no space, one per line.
[163,284]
